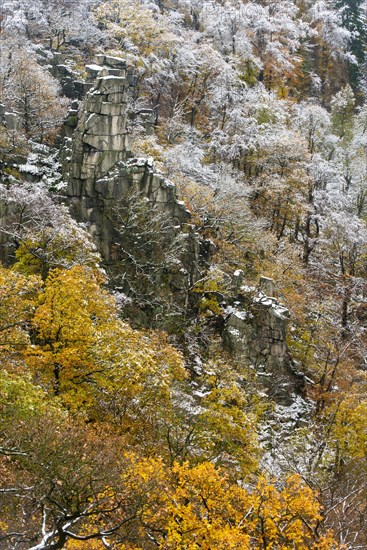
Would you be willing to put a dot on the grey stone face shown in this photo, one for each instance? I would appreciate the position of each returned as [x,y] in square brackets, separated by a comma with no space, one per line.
[267,285]
[99,141]
[116,62]
[255,331]
[93,70]
[112,109]
[110,84]
[98,166]
[101,175]
[12,121]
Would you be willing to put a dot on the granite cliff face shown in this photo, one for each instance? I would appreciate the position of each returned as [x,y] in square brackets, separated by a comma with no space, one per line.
[255,330]
[145,236]
[148,243]
[150,248]
[100,138]
[98,162]
[108,188]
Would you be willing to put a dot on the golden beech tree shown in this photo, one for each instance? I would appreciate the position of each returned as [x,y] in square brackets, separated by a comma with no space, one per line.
[61,480]
[66,484]
[349,431]
[286,518]
[18,298]
[192,508]
[94,360]
[230,430]
[207,511]
[71,310]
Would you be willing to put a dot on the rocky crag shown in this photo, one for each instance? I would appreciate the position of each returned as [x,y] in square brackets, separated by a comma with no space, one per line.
[108,187]
[255,330]
[146,237]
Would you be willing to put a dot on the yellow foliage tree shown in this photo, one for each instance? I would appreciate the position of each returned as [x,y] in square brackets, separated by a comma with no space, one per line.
[70,311]
[208,511]
[18,298]
[92,359]
[286,518]
[347,436]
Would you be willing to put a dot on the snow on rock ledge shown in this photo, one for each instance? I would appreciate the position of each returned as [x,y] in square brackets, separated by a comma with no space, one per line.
[255,331]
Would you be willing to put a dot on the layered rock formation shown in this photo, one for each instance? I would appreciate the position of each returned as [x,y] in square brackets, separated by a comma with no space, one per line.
[100,139]
[145,236]
[98,163]
[255,331]
[103,178]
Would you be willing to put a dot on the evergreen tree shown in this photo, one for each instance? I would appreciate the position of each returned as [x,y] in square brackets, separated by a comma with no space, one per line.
[354,20]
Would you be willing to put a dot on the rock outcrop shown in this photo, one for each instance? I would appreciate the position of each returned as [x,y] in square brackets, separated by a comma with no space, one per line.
[11,120]
[101,138]
[255,330]
[98,163]
[145,236]
[105,181]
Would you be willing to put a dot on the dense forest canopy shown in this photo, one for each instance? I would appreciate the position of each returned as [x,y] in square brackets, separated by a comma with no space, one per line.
[159,158]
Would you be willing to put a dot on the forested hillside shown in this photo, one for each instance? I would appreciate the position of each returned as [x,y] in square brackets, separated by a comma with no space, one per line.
[183,297]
